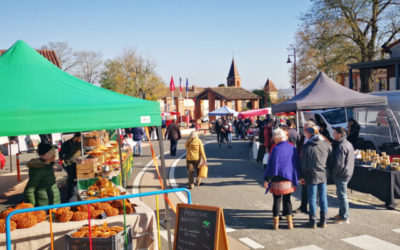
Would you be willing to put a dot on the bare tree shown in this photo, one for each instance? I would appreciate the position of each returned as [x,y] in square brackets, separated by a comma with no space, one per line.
[65,54]
[366,24]
[89,66]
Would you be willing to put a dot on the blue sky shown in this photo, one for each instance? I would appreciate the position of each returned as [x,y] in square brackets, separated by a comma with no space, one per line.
[194,38]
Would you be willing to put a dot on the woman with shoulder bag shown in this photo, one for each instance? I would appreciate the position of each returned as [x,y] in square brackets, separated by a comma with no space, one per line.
[195,152]
[281,176]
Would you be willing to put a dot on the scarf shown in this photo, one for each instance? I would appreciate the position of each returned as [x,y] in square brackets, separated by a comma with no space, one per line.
[283,161]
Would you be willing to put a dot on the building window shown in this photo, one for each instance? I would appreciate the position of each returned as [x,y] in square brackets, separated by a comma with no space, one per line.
[237,83]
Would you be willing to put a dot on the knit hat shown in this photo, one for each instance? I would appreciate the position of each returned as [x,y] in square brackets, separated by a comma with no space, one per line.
[45,151]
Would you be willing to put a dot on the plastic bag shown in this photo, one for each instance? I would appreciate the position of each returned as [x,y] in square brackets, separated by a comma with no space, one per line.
[203,171]
[265,159]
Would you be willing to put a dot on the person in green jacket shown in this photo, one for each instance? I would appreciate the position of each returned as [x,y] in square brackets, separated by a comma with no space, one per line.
[41,189]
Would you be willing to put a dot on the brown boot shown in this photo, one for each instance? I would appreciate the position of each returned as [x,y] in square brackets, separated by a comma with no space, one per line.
[289,222]
[275,224]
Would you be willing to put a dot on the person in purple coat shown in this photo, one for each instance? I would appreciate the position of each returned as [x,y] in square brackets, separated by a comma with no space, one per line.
[281,176]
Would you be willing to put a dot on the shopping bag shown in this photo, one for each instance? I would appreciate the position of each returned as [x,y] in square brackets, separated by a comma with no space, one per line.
[265,159]
[203,171]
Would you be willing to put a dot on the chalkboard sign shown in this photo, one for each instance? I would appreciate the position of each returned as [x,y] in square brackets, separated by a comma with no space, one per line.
[200,227]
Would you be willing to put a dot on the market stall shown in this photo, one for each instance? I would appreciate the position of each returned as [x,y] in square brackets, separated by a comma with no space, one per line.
[324,93]
[143,223]
[224,110]
[39,98]
[378,176]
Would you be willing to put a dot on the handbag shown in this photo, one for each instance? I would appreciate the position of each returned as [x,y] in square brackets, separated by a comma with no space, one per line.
[265,159]
[203,171]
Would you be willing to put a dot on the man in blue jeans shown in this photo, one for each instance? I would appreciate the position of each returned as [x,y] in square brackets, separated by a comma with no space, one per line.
[342,170]
[316,156]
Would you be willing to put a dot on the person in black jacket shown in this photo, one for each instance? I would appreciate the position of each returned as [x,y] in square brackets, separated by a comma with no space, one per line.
[218,125]
[69,151]
[294,137]
[353,129]
[342,170]
[323,130]
[173,134]
[46,138]
[261,138]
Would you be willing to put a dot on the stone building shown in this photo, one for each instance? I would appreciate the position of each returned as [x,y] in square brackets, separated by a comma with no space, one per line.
[232,96]
[270,88]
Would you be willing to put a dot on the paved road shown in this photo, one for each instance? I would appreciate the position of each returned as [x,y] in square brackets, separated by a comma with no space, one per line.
[235,184]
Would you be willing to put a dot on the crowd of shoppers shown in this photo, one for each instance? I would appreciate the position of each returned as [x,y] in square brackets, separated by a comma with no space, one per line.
[307,161]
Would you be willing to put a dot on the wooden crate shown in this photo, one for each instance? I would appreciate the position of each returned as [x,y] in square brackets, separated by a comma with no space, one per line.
[86,171]
[86,166]
[85,176]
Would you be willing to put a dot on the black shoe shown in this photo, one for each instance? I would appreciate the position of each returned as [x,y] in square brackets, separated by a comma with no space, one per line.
[219,145]
[229,146]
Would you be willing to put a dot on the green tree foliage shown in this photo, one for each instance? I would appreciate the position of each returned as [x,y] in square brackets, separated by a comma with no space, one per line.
[261,93]
[350,30]
[221,85]
[132,74]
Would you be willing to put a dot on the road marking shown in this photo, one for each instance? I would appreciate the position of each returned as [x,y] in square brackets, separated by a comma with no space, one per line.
[251,243]
[367,242]
[396,230]
[311,247]
[180,195]
[138,179]
[229,229]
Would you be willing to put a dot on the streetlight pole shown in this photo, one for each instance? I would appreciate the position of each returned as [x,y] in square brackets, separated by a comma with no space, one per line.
[295,75]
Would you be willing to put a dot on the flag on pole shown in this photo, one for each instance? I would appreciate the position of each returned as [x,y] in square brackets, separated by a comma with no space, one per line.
[180,83]
[187,84]
[172,84]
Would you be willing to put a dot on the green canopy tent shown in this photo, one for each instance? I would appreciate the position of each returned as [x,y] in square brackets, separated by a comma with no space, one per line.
[38,98]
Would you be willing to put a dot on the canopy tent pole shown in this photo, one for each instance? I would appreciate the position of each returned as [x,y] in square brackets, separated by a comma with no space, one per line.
[120,157]
[345,111]
[164,172]
[297,121]
[82,144]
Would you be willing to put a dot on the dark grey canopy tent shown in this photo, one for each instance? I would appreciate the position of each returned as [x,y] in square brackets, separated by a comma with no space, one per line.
[324,93]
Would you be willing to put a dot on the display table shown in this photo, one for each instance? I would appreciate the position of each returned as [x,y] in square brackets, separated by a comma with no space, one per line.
[115,177]
[143,222]
[383,184]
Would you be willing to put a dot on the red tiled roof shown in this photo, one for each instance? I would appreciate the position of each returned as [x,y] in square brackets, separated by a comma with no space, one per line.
[269,86]
[191,93]
[48,54]
[228,93]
